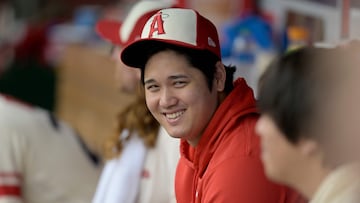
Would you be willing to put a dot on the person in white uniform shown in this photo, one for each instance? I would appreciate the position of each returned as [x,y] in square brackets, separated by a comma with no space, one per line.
[142,157]
[42,159]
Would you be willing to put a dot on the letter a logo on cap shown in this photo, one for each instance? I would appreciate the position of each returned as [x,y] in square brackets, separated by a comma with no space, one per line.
[157,25]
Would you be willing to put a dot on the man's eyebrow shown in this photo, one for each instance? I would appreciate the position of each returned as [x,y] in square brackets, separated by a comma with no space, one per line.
[173,77]
[149,81]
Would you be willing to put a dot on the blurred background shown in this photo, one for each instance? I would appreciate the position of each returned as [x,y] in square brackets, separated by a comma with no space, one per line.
[50,55]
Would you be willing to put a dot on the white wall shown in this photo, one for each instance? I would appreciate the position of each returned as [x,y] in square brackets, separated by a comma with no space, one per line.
[355,23]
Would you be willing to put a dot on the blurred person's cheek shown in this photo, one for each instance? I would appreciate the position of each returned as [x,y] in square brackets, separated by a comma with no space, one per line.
[127,79]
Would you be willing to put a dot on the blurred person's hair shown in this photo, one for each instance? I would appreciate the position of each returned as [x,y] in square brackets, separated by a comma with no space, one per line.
[294,86]
[135,118]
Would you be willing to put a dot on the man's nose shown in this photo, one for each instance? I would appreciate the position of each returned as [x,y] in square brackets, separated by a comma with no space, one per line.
[167,98]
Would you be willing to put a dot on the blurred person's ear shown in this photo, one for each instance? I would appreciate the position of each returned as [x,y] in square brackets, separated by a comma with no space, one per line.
[308,147]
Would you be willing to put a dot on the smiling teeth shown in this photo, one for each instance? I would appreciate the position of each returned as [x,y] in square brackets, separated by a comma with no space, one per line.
[174,115]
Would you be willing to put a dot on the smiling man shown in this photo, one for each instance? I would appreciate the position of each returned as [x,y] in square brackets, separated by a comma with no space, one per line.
[192,94]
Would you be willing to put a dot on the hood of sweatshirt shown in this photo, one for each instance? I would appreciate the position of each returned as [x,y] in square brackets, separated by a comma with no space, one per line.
[239,103]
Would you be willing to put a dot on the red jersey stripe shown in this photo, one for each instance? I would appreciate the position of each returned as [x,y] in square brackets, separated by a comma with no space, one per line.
[10,191]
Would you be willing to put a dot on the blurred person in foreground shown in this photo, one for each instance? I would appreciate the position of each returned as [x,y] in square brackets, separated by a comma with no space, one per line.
[309,126]
[42,159]
[141,156]
[192,94]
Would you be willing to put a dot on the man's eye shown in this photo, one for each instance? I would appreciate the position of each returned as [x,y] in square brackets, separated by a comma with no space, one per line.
[152,87]
[180,83]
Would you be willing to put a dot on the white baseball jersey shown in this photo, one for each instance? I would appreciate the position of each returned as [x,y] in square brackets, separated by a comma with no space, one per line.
[141,175]
[42,160]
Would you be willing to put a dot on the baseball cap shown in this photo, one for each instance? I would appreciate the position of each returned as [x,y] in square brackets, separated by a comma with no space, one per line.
[122,33]
[174,26]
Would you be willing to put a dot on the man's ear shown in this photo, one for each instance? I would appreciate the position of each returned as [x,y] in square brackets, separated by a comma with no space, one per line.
[220,76]
[308,147]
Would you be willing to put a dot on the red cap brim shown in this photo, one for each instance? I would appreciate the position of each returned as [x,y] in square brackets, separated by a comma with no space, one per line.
[109,30]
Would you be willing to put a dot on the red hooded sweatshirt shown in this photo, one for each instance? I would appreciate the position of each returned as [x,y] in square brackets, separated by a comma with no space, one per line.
[225,166]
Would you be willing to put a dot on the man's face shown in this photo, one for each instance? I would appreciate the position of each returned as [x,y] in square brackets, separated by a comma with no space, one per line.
[178,95]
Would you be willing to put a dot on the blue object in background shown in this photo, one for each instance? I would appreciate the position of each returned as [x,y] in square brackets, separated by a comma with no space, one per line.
[242,37]
[86,15]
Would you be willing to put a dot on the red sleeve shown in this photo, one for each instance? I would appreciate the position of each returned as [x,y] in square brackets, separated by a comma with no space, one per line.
[241,179]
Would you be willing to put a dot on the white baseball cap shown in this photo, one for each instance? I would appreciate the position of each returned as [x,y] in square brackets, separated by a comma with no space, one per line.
[122,33]
[176,26]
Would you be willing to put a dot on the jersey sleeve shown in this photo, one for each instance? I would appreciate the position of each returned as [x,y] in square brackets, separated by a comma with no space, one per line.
[241,180]
[11,165]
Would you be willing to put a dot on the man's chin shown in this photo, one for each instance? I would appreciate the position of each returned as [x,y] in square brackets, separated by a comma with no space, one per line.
[173,134]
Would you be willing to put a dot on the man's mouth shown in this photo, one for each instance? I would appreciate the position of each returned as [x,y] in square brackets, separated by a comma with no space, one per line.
[174,115]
